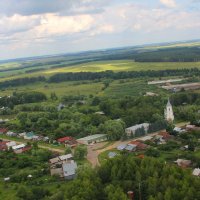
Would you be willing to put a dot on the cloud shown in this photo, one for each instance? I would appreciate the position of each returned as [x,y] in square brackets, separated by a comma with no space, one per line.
[168,3]
[65,7]
[17,23]
[52,24]
[69,25]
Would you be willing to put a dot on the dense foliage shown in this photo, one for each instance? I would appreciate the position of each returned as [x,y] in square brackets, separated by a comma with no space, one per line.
[120,75]
[61,77]
[148,178]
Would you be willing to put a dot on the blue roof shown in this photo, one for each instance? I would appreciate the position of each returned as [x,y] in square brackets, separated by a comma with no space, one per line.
[111,154]
[130,147]
[121,146]
[30,134]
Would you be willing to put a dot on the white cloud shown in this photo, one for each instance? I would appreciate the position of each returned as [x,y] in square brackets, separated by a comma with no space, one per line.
[17,23]
[168,3]
[52,24]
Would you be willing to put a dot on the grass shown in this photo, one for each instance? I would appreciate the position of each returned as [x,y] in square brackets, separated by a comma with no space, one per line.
[122,65]
[61,89]
[126,87]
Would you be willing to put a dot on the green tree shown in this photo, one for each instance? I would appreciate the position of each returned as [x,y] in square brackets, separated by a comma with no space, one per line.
[80,152]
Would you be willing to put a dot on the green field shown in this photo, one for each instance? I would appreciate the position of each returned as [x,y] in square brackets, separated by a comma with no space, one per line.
[122,65]
[115,65]
[130,87]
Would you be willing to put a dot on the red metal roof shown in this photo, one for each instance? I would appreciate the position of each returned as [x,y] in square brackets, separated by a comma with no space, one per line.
[64,139]
[26,149]
[139,145]
[165,135]
[3,130]
[3,146]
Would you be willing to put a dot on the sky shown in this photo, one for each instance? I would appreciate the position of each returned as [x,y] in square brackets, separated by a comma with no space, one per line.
[44,27]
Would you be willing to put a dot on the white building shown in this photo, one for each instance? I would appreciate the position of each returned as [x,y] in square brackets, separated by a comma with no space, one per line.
[196,172]
[91,139]
[10,144]
[132,129]
[169,115]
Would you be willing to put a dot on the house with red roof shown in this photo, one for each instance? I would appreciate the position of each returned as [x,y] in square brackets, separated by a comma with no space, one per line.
[162,137]
[3,146]
[139,145]
[165,135]
[68,141]
[3,130]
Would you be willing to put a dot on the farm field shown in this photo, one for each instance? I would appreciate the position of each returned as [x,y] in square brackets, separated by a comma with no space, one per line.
[114,65]
[130,87]
[123,65]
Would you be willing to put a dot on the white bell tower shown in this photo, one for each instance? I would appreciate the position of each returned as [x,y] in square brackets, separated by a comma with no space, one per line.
[169,115]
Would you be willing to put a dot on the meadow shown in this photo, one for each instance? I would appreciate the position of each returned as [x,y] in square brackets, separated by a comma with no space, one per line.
[116,88]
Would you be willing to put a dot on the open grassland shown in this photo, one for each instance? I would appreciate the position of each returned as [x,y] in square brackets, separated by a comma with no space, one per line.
[131,87]
[61,89]
[114,65]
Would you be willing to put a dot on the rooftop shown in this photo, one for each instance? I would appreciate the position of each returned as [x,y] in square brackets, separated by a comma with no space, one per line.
[93,137]
[68,138]
[137,126]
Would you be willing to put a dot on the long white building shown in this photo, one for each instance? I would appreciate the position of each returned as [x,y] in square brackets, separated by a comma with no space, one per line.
[131,130]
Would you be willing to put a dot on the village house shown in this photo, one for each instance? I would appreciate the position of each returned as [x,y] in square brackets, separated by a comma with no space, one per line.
[179,130]
[192,128]
[121,147]
[67,141]
[132,130]
[183,163]
[3,146]
[10,144]
[130,147]
[196,172]
[63,166]
[162,138]
[60,159]
[21,148]
[139,145]
[11,134]
[29,136]
[67,170]
[21,135]
[3,130]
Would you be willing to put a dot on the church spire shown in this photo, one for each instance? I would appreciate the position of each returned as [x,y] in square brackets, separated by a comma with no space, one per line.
[169,115]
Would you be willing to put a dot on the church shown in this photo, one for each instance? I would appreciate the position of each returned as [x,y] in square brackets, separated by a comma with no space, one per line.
[169,115]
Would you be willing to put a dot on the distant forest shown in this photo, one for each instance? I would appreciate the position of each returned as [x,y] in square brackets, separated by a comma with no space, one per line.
[175,54]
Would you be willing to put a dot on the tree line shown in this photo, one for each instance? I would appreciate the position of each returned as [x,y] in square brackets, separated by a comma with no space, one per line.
[80,76]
